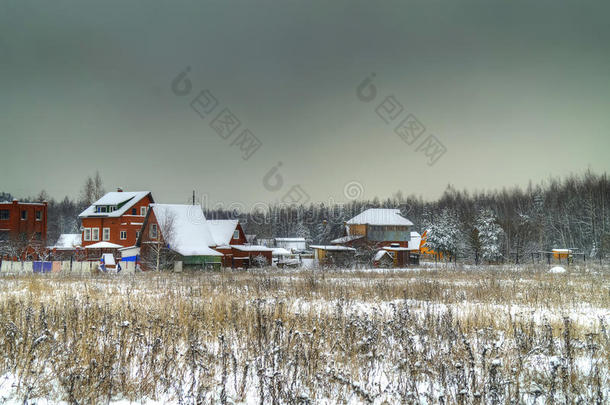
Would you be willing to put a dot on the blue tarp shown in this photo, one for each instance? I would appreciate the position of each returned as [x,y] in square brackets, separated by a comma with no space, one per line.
[42,267]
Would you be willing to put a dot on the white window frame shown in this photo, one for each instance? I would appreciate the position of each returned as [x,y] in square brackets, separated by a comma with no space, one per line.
[236,234]
[123,235]
[137,234]
[87,234]
[95,234]
[105,234]
[154,231]
[143,211]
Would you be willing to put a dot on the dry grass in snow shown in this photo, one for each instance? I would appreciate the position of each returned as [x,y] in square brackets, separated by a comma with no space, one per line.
[465,335]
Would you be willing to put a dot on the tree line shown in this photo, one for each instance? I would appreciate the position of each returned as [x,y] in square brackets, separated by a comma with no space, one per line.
[572,212]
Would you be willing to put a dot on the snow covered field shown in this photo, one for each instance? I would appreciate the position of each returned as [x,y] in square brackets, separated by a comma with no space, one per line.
[427,335]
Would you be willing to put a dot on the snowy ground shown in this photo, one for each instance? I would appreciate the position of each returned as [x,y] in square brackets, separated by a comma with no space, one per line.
[425,335]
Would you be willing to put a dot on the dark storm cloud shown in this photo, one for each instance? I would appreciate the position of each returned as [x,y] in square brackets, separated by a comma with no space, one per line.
[514,90]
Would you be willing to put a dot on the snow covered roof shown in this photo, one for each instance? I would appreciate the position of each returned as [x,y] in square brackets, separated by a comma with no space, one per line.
[103,245]
[380,254]
[380,216]
[124,199]
[345,239]
[290,239]
[331,247]
[222,230]
[68,241]
[280,251]
[252,248]
[190,233]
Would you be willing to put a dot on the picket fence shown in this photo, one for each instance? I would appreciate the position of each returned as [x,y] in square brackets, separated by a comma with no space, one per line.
[64,267]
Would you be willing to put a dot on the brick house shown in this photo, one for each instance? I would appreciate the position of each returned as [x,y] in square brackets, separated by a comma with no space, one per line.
[116,218]
[23,224]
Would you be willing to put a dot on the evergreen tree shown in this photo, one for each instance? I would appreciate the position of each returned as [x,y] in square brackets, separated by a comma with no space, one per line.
[444,233]
[489,235]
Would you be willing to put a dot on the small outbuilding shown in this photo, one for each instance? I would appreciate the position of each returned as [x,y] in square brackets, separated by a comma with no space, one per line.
[333,255]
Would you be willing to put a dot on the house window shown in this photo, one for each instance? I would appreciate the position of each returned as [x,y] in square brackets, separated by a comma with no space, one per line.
[24,215]
[103,208]
[123,235]
[38,215]
[137,234]
[87,234]
[153,231]
[95,233]
[106,234]
[236,234]
[143,211]
[4,215]
[134,211]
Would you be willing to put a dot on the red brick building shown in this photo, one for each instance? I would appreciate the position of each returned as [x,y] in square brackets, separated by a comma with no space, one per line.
[23,223]
[117,218]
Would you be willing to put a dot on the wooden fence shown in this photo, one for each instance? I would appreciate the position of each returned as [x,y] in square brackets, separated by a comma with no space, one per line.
[64,267]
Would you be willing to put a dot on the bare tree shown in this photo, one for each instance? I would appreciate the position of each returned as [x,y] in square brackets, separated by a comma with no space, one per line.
[98,186]
[87,194]
[92,190]
[157,242]
[17,246]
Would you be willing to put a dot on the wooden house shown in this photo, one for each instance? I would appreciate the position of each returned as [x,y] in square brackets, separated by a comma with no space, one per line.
[376,227]
[182,229]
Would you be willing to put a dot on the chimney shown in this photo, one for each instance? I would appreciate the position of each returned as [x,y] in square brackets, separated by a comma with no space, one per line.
[119,189]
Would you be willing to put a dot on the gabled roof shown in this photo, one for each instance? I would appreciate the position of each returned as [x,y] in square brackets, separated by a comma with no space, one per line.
[380,216]
[190,233]
[68,241]
[123,199]
[222,230]
[103,245]
[380,254]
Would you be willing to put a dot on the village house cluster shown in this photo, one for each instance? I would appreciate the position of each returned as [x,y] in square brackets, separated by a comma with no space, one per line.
[129,226]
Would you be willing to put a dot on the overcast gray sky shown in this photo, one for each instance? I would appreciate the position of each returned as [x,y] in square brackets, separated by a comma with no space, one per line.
[513,90]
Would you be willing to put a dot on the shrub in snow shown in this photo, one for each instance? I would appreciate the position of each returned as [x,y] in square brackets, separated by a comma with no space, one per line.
[259,261]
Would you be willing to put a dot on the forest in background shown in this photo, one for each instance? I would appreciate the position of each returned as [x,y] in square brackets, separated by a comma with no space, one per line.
[572,212]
